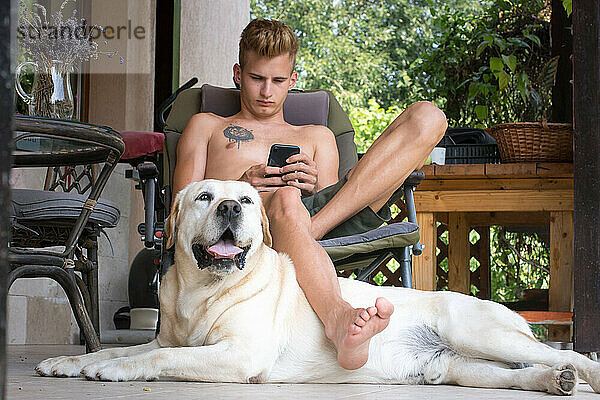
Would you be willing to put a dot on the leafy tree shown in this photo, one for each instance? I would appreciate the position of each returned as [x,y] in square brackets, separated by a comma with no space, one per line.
[360,49]
[493,66]
[519,262]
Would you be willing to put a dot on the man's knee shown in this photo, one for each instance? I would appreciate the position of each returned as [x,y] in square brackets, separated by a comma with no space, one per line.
[429,120]
[285,205]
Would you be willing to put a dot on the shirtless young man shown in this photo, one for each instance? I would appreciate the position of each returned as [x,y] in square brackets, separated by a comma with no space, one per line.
[265,73]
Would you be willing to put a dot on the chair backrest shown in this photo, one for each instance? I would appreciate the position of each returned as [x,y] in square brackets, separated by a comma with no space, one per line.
[317,107]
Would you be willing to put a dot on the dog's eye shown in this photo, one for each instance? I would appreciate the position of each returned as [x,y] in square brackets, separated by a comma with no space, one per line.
[204,197]
[246,200]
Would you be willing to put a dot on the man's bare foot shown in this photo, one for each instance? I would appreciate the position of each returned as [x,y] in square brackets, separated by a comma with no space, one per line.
[353,329]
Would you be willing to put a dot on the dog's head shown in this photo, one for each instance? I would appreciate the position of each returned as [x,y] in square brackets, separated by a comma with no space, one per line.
[218,223]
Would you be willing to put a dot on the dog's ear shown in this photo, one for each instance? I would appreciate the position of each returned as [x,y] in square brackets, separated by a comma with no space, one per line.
[265,227]
[170,224]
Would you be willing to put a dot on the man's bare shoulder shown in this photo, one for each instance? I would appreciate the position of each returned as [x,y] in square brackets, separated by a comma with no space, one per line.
[317,132]
[206,119]
[203,125]
[320,136]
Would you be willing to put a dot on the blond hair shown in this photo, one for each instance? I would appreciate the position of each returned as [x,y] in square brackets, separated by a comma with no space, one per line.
[268,38]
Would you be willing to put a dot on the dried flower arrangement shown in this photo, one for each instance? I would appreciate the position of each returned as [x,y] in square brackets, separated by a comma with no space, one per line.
[55,44]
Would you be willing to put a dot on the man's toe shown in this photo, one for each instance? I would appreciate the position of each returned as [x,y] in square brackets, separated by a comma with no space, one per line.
[365,315]
[372,311]
[384,307]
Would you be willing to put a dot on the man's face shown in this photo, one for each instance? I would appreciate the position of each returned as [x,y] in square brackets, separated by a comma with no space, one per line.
[265,83]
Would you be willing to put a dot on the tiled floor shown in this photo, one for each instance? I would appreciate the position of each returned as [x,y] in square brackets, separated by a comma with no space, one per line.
[24,383]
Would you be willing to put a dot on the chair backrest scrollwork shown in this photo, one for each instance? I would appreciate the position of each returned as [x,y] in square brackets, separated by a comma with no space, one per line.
[70,178]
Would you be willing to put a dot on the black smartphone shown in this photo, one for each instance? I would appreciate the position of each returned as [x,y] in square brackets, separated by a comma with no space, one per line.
[278,155]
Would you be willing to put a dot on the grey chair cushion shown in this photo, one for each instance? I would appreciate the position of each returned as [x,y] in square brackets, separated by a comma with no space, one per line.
[220,101]
[300,108]
[400,234]
[30,206]
[318,107]
[309,108]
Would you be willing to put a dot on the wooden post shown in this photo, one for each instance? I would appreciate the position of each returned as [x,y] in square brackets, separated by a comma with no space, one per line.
[6,110]
[459,273]
[561,271]
[586,95]
[424,266]
[485,281]
[562,46]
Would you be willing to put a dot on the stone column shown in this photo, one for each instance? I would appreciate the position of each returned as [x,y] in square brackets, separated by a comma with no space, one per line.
[122,97]
[210,32]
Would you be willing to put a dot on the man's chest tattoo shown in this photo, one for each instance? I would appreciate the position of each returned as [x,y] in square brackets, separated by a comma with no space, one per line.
[237,134]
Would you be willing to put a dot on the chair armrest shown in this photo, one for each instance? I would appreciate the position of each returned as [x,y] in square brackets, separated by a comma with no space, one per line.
[414,179]
[406,190]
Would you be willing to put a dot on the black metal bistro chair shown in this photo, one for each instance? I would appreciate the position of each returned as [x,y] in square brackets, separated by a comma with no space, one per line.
[72,221]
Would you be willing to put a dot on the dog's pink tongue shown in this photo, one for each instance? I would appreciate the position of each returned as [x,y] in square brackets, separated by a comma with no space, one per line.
[224,249]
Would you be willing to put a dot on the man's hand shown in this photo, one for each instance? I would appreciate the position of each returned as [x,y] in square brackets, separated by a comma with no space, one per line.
[301,172]
[255,175]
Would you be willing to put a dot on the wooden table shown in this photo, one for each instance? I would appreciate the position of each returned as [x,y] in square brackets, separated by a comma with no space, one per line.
[465,196]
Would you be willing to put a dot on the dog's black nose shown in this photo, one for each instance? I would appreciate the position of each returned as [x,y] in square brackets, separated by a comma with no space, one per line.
[229,209]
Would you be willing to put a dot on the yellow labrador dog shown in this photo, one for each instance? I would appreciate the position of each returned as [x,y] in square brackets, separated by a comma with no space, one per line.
[232,311]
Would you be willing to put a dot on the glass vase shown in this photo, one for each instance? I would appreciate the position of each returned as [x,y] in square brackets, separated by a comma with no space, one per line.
[51,94]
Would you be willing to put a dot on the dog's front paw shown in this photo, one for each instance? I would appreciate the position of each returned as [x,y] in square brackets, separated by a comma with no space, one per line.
[62,367]
[117,370]
[565,380]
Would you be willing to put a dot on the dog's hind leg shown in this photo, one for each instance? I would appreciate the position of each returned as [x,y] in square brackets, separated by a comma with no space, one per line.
[509,344]
[465,371]
[71,366]
[490,331]
[516,347]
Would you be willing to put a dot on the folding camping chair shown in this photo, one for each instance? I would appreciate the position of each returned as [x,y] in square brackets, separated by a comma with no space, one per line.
[364,252]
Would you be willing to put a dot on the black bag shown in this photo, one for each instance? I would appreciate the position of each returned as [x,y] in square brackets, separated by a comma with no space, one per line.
[466,136]
[469,146]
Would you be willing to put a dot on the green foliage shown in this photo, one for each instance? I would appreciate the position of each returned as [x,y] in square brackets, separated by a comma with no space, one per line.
[485,67]
[360,49]
[479,61]
[568,5]
[369,122]
[26,80]
[518,262]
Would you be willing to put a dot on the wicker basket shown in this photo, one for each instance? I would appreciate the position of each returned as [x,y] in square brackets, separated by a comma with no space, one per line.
[534,141]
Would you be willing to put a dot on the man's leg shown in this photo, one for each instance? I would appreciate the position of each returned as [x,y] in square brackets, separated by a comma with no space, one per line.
[397,152]
[349,329]
[416,131]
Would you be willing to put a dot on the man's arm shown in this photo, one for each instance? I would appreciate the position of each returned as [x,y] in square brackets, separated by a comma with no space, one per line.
[191,151]
[326,157]
[311,175]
